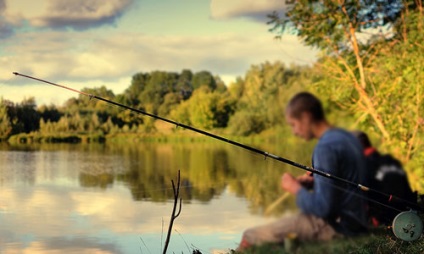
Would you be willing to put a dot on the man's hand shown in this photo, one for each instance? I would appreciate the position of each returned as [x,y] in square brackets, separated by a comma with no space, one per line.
[306,180]
[290,184]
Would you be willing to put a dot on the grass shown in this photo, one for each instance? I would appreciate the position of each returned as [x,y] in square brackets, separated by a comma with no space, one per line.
[381,242]
[36,137]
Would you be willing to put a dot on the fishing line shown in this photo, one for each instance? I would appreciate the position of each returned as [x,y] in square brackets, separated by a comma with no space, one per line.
[334,185]
[358,194]
[249,148]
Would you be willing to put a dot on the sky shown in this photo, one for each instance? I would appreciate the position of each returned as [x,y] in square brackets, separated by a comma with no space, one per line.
[91,43]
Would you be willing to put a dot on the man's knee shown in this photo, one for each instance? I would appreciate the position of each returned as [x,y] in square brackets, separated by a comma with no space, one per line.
[246,240]
[249,236]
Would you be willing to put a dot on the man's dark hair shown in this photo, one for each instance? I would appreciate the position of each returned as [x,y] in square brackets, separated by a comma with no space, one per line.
[363,138]
[305,102]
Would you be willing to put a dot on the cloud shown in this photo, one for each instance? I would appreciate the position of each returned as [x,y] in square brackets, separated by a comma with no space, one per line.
[81,14]
[56,56]
[94,59]
[6,27]
[60,14]
[257,10]
[58,245]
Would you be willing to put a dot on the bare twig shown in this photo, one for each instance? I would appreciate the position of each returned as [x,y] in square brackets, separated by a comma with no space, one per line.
[161,238]
[188,248]
[174,214]
[147,248]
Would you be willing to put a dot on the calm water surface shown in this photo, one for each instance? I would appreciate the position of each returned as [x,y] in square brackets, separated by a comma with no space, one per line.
[118,198]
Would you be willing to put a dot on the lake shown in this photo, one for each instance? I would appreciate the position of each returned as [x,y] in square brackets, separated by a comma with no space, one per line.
[117,198]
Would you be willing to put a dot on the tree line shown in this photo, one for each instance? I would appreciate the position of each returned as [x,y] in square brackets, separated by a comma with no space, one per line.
[248,106]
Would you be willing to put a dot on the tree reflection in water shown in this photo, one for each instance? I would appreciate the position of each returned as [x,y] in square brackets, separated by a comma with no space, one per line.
[207,169]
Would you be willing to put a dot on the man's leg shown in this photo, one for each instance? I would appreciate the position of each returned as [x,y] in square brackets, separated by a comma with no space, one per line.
[303,227]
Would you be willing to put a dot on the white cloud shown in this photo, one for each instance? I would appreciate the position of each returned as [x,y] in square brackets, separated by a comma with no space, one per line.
[23,9]
[224,9]
[45,94]
[76,56]
[7,22]
[61,245]
[81,14]
[63,14]
[95,59]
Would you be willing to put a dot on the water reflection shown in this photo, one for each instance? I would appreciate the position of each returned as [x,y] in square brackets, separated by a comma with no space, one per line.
[103,198]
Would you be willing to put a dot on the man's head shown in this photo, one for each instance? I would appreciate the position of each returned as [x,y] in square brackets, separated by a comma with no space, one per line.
[304,111]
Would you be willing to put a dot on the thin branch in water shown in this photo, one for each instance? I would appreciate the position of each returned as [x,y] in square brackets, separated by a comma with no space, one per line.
[147,248]
[188,248]
[161,238]
[174,213]
[196,250]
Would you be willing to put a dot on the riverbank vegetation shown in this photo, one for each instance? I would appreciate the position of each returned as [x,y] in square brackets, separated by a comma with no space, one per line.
[251,105]
[375,243]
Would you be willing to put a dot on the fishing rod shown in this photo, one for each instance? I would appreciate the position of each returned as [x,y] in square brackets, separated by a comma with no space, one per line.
[408,216]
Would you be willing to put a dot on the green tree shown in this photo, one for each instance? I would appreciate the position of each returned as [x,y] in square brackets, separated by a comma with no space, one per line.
[159,84]
[203,78]
[170,101]
[49,113]
[205,109]
[184,86]
[138,83]
[261,96]
[23,116]
[361,72]
[5,123]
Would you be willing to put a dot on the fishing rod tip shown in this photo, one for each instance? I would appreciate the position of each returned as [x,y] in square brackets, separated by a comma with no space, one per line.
[15,73]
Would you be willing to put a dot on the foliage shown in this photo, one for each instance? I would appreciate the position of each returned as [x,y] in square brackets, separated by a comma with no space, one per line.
[262,94]
[18,118]
[5,123]
[157,92]
[205,109]
[329,24]
[376,243]
[251,105]
[373,75]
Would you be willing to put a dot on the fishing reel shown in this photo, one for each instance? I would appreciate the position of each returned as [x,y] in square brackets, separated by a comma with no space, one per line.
[407,226]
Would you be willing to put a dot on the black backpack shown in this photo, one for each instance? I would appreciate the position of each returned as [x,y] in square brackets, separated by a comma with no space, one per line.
[386,174]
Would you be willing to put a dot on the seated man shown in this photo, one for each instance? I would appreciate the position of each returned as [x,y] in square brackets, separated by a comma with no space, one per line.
[385,174]
[329,208]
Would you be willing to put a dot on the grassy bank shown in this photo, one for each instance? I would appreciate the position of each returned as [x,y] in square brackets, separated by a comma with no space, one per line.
[36,137]
[382,242]
[161,135]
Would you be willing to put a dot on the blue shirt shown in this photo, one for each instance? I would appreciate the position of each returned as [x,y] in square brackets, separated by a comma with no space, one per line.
[340,154]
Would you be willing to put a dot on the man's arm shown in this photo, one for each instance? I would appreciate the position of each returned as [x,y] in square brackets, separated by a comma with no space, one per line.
[320,202]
